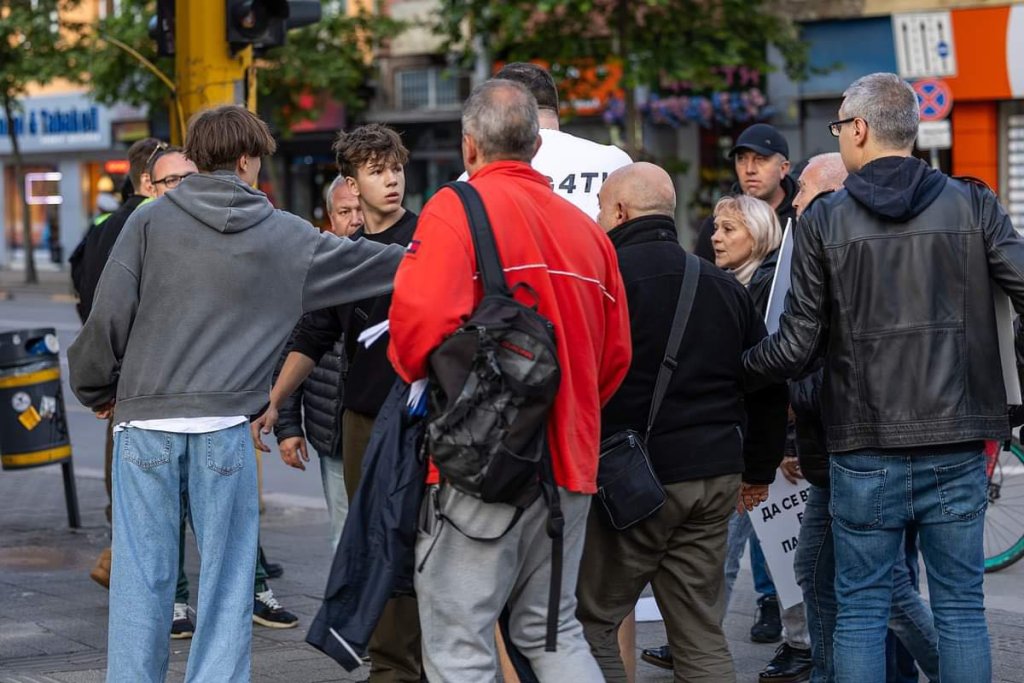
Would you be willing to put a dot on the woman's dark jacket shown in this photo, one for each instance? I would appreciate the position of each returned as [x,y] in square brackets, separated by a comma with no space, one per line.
[706,427]
[316,404]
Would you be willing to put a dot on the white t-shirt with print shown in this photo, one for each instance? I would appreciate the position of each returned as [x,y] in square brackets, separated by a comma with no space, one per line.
[576,167]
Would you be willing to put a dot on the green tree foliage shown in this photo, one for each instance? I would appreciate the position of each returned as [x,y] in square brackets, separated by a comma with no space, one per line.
[654,40]
[38,44]
[328,59]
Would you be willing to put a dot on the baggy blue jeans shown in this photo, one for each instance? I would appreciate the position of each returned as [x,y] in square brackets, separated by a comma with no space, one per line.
[875,497]
[815,567]
[152,470]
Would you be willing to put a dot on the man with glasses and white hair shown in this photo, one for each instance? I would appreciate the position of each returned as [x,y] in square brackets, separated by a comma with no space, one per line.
[892,285]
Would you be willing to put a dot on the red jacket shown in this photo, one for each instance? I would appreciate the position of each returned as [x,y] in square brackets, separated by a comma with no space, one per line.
[565,257]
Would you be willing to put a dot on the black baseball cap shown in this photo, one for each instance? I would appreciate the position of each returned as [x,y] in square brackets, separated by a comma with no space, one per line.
[763,139]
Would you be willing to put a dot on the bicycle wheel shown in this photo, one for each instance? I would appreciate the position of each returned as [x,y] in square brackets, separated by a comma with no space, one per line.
[1004,520]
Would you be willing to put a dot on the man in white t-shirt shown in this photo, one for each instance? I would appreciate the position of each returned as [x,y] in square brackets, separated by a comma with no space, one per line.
[575,167]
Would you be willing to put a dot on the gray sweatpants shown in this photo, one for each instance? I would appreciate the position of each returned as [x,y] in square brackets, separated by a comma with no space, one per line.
[465,584]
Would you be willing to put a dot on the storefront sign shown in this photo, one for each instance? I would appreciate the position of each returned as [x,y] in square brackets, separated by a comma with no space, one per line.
[58,123]
[777,525]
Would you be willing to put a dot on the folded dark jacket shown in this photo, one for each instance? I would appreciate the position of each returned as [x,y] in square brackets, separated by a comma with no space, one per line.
[376,554]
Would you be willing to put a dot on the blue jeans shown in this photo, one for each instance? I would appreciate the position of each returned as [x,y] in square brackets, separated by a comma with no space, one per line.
[151,472]
[815,567]
[875,497]
[332,474]
[741,531]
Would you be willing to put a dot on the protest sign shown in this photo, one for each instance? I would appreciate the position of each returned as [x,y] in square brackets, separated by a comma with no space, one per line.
[777,525]
[781,281]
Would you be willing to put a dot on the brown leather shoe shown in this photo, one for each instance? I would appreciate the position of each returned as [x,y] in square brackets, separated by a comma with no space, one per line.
[101,572]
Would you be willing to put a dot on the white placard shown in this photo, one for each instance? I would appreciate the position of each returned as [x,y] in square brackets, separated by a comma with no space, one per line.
[647,610]
[1007,355]
[777,525]
[935,135]
[781,282]
[924,44]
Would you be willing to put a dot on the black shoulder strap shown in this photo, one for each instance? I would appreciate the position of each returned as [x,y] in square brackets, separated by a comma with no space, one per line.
[487,259]
[683,307]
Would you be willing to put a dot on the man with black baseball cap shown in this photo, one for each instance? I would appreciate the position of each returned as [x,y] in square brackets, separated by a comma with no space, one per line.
[761,156]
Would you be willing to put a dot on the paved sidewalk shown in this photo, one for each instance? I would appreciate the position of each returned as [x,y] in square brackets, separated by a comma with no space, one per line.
[53,618]
[53,284]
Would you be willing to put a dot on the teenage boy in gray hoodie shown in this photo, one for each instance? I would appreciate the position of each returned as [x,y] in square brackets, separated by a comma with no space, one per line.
[191,311]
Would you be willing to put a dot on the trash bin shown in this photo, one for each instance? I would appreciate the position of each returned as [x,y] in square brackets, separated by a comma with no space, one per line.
[33,424]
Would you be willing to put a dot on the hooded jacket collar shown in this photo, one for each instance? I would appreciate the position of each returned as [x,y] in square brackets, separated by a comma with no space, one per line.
[896,188]
[222,201]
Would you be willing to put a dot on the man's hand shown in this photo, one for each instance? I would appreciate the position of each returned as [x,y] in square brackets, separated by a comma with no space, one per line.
[104,411]
[293,452]
[790,469]
[752,495]
[263,425]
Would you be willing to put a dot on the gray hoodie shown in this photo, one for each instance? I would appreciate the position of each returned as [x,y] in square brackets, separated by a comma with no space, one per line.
[200,294]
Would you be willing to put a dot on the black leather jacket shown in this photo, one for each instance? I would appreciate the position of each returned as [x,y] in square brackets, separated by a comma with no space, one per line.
[892,285]
[317,403]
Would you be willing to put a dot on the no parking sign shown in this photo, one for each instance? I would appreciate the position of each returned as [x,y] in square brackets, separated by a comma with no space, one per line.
[934,97]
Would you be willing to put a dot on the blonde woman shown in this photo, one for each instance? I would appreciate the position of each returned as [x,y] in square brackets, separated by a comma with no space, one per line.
[746,241]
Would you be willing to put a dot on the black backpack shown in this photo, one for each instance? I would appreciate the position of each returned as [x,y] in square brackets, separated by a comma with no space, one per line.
[492,385]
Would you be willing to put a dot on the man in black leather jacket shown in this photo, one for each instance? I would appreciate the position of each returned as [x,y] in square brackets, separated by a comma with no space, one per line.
[910,618]
[892,284]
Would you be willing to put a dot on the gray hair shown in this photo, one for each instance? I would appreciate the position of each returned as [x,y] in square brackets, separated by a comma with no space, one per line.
[329,192]
[888,104]
[501,117]
[830,169]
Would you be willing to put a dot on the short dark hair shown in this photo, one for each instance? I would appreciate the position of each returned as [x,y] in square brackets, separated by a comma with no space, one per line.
[139,155]
[536,79]
[217,138]
[160,154]
[368,144]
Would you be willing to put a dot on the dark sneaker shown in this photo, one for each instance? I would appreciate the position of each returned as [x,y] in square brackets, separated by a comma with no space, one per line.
[267,611]
[789,665]
[658,656]
[767,627]
[182,626]
[274,570]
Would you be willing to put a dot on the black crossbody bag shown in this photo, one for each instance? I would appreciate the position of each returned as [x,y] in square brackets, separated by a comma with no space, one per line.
[627,486]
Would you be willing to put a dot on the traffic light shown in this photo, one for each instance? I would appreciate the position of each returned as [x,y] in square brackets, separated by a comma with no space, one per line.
[263,23]
[161,28]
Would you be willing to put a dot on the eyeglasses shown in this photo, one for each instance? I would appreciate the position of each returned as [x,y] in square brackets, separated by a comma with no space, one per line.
[172,181]
[160,146]
[835,126]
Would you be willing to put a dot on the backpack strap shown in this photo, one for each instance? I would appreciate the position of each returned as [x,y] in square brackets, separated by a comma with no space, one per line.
[684,305]
[493,275]
[488,260]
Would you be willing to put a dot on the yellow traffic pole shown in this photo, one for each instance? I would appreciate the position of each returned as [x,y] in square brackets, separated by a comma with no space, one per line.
[207,73]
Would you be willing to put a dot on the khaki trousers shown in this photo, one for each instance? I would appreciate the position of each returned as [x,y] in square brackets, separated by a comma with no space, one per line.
[680,551]
[394,648]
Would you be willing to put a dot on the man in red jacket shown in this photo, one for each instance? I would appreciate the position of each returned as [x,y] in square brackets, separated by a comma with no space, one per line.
[564,257]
